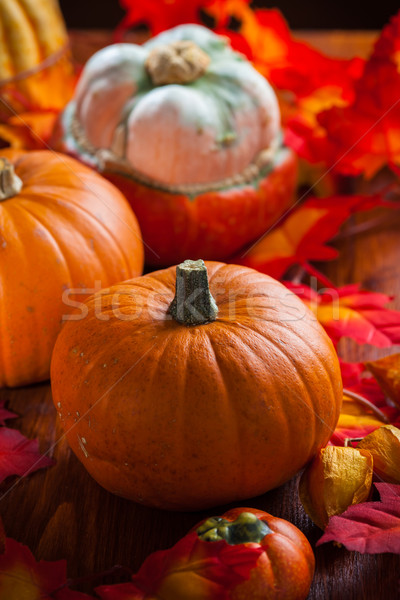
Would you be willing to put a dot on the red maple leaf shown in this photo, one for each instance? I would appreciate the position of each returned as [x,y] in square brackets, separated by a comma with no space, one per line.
[351,312]
[19,455]
[208,570]
[22,577]
[5,414]
[158,15]
[370,527]
[303,235]
[365,136]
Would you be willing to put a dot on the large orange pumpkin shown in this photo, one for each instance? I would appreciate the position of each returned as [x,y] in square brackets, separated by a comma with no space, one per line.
[190,132]
[197,400]
[64,232]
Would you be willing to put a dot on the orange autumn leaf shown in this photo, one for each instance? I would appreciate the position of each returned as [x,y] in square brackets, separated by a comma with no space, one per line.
[196,568]
[303,235]
[387,372]
[355,421]
[22,577]
[29,130]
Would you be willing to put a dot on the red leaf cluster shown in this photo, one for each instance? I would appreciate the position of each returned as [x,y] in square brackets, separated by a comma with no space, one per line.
[22,577]
[371,527]
[362,135]
[207,571]
[18,454]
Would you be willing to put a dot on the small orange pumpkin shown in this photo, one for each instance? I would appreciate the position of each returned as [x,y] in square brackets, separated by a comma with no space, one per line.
[199,399]
[246,554]
[62,227]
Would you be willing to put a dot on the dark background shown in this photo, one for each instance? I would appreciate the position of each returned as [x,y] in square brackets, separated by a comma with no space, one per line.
[301,14]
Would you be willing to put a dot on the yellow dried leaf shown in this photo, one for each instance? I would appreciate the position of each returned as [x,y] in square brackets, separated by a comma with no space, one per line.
[384,445]
[336,478]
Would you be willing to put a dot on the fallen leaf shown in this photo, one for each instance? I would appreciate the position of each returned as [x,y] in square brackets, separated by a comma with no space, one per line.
[202,569]
[335,479]
[387,372]
[365,136]
[19,455]
[303,235]
[384,446]
[21,577]
[30,130]
[351,312]
[370,527]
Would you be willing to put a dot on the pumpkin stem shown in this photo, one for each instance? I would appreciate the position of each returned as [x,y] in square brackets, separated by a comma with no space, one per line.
[193,303]
[246,528]
[178,62]
[10,183]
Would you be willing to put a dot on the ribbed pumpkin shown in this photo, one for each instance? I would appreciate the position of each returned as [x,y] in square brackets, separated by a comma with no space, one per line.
[34,58]
[195,400]
[62,227]
[190,132]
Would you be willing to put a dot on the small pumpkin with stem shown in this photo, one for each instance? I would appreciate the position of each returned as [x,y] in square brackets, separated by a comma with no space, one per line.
[245,553]
[64,232]
[195,386]
[191,134]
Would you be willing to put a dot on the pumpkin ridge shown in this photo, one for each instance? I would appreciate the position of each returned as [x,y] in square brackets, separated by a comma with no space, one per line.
[86,187]
[240,446]
[318,328]
[99,224]
[283,422]
[32,27]
[272,341]
[50,234]
[304,383]
[15,208]
[13,9]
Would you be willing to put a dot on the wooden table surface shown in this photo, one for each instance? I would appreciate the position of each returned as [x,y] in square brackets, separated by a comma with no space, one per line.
[61,512]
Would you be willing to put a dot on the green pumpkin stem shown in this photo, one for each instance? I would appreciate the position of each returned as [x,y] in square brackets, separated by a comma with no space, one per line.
[193,303]
[246,528]
[10,183]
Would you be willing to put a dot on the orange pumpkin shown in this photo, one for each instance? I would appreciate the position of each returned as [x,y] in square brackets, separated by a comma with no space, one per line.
[35,66]
[64,232]
[197,400]
[191,133]
[247,554]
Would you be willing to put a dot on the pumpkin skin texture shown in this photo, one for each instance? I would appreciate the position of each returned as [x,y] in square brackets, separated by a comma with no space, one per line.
[34,58]
[196,159]
[186,417]
[67,228]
